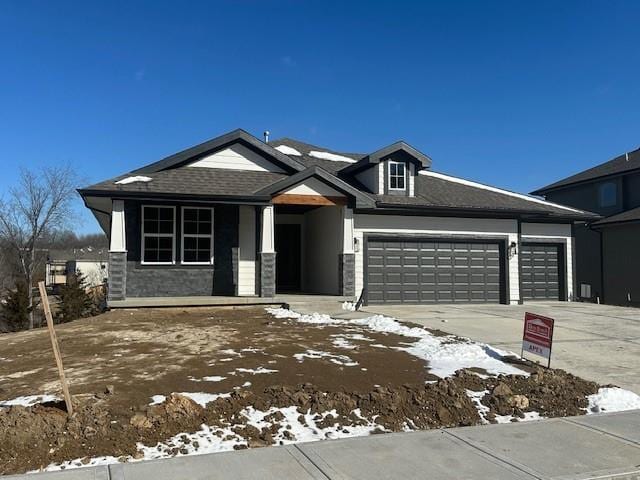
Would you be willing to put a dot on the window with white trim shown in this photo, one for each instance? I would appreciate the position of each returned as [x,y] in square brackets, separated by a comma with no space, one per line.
[197,235]
[397,175]
[158,234]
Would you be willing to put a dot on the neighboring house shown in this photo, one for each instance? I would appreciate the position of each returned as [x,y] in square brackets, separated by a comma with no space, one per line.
[91,263]
[608,258]
[236,216]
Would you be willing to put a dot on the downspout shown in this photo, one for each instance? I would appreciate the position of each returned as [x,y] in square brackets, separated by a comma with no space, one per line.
[520,301]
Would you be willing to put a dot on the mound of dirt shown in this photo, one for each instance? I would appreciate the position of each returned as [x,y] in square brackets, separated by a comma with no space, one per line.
[34,437]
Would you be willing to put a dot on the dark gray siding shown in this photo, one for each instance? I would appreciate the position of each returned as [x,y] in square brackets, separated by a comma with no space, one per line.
[632,191]
[588,260]
[622,265]
[586,197]
[182,280]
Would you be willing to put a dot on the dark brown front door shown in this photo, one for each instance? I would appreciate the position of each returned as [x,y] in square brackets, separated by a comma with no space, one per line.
[288,251]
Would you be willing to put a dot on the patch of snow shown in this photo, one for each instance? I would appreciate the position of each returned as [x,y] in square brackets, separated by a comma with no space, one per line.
[341,342]
[349,306]
[202,398]
[288,150]
[482,186]
[157,399]
[253,371]
[333,358]
[613,399]
[331,156]
[135,179]
[77,463]
[244,385]
[528,417]
[482,409]
[445,355]
[213,378]
[28,400]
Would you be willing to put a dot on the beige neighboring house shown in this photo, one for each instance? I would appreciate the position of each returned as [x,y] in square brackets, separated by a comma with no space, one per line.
[91,262]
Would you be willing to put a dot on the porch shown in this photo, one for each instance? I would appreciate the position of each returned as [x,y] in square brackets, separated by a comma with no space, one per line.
[225,301]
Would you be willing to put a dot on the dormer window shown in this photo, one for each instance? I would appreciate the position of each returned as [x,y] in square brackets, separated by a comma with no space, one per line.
[397,175]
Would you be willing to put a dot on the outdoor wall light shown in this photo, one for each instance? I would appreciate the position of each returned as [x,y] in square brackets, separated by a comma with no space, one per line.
[356,245]
[513,249]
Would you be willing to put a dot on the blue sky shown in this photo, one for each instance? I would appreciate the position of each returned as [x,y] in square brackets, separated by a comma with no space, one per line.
[514,94]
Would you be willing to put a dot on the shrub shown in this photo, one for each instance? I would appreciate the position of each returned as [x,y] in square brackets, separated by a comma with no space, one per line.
[15,308]
[75,302]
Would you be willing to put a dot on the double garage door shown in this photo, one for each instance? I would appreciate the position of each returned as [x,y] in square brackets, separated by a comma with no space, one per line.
[429,271]
[433,271]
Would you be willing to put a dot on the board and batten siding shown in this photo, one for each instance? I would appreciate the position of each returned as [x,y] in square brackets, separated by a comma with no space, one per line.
[444,226]
[247,251]
[554,233]
[237,157]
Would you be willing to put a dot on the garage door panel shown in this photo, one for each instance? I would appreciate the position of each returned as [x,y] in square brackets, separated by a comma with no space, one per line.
[540,271]
[411,271]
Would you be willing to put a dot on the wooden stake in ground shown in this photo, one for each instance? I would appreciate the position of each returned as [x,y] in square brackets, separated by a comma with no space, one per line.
[54,345]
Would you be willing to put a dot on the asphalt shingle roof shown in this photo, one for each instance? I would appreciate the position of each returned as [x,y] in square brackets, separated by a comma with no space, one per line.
[331,166]
[624,163]
[195,181]
[632,215]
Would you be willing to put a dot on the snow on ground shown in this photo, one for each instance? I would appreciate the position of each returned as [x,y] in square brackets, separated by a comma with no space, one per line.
[613,399]
[213,378]
[528,416]
[445,354]
[331,156]
[28,400]
[135,179]
[337,359]
[349,306]
[252,371]
[482,409]
[157,399]
[288,150]
[202,398]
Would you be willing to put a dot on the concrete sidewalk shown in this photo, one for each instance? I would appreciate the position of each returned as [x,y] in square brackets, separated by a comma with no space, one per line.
[598,446]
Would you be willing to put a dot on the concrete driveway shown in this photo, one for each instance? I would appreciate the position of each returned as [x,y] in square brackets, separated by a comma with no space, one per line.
[596,342]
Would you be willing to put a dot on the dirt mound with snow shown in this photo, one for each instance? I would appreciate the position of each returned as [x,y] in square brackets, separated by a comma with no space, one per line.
[34,437]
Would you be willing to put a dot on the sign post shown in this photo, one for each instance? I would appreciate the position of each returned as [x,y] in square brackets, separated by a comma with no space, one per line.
[537,338]
[56,348]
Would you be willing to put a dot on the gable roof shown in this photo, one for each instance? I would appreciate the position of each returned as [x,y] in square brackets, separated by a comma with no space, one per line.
[191,154]
[400,146]
[621,164]
[363,200]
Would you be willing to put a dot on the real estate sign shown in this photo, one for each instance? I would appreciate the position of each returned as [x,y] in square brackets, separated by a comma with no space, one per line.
[538,335]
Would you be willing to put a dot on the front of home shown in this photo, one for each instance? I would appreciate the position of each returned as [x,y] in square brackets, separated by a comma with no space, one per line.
[236,216]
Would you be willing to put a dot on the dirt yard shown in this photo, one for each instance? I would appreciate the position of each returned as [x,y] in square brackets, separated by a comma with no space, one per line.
[158,383]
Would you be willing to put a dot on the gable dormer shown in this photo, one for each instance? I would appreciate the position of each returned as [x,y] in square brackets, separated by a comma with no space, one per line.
[391,170]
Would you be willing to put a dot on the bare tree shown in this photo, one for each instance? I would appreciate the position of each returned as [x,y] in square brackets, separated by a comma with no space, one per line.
[38,207]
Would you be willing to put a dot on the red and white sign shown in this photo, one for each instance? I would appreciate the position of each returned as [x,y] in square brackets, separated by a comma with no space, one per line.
[538,335]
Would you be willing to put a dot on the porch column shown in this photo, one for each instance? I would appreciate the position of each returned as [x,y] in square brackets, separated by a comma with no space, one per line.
[267,253]
[347,260]
[117,253]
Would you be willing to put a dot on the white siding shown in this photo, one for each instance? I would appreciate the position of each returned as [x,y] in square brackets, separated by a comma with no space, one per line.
[94,271]
[313,186]
[396,224]
[237,157]
[368,179]
[555,232]
[412,179]
[247,251]
[381,167]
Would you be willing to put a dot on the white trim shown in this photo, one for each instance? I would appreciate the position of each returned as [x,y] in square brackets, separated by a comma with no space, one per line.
[412,180]
[404,179]
[469,183]
[267,244]
[118,240]
[347,230]
[196,235]
[173,236]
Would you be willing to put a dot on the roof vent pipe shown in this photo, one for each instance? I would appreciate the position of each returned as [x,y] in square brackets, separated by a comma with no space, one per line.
[266,136]
[626,156]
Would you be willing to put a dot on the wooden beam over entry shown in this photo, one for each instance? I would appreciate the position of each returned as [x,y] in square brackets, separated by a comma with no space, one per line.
[320,200]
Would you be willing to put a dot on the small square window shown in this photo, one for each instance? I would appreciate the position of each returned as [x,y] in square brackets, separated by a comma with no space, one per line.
[607,194]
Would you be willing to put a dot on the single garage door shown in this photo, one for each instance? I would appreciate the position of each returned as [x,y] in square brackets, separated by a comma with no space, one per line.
[540,271]
[429,271]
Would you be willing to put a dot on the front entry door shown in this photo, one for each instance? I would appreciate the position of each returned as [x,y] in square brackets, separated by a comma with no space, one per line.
[288,250]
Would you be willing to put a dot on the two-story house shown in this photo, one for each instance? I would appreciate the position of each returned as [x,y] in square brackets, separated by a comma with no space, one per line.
[607,253]
[240,217]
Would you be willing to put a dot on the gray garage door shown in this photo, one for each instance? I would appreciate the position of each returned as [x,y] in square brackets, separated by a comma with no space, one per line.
[540,271]
[410,271]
